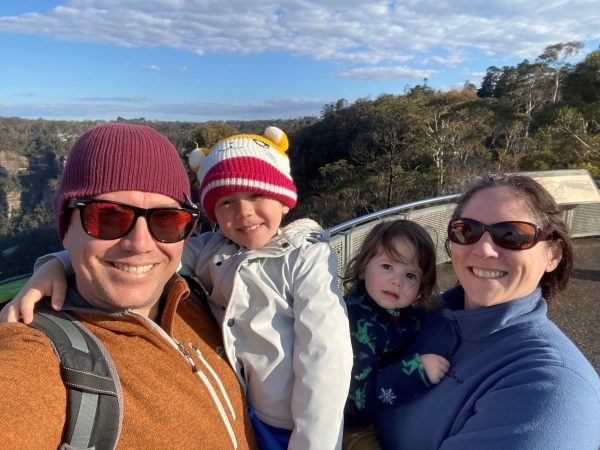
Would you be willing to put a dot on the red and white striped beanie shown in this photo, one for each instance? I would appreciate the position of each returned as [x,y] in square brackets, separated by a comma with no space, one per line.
[245,163]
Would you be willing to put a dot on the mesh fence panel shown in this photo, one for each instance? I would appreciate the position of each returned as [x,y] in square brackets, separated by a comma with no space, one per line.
[582,219]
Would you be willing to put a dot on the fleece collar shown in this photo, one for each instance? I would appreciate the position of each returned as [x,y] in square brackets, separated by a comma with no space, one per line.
[493,321]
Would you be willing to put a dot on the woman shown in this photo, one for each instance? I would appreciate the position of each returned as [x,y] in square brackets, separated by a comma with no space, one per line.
[516,381]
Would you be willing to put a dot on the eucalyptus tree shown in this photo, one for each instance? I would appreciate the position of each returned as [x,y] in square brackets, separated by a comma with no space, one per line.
[386,146]
[209,133]
[582,89]
[205,136]
[556,57]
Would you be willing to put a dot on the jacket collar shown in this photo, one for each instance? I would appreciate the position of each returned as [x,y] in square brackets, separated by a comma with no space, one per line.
[293,235]
[175,290]
[489,322]
[379,314]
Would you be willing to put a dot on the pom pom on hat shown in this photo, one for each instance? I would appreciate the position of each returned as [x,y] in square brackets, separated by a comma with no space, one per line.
[278,139]
[196,156]
[245,163]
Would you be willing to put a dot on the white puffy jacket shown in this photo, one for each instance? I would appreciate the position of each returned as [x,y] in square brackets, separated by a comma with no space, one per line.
[285,326]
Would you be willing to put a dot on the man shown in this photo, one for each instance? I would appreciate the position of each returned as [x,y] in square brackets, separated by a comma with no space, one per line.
[122,212]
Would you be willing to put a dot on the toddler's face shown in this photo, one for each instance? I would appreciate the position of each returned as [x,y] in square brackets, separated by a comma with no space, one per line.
[249,219]
[390,283]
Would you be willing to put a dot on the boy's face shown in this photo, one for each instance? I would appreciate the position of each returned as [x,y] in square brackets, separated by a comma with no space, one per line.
[249,219]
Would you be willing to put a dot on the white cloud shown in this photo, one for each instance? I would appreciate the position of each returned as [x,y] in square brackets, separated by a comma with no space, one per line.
[284,108]
[477,74]
[111,108]
[453,59]
[387,73]
[152,68]
[113,99]
[364,32]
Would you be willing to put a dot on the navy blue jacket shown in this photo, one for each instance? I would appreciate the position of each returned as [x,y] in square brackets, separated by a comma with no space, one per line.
[380,337]
[517,382]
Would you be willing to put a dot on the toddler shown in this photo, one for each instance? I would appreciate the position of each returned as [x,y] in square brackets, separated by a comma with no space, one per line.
[273,291]
[394,269]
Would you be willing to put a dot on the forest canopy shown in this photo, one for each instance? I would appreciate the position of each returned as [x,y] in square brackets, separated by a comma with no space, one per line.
[362,156]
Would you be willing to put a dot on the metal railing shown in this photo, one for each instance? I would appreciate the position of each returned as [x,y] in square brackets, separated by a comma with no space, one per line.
[583,220]
[432,214]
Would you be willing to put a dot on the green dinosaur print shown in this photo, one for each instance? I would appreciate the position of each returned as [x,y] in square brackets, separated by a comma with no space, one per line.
[364,374]
[362,333]
[415,363]
[360,398]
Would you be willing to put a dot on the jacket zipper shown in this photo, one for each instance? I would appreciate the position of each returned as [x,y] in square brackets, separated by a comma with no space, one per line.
[213,393]
[187,356]
[451,373]
[182,351]
[211,389]
[216,377]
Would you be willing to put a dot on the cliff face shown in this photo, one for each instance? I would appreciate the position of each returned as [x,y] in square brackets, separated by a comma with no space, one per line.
[27,186]
[31,154]
[11,165]
[26,180]
[10,203]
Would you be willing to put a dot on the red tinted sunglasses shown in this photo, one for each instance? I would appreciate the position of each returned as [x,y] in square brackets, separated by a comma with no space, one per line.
[512,235]
[105,219]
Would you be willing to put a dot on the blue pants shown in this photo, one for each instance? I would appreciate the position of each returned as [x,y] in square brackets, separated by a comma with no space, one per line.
[268,436]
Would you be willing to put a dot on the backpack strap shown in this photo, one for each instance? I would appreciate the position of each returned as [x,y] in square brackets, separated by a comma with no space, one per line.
[94,406]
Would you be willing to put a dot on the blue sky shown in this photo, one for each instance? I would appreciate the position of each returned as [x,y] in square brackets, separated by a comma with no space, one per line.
[206,60]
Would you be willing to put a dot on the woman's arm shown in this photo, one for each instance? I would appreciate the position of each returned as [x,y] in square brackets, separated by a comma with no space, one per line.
[423,364]
[548,406]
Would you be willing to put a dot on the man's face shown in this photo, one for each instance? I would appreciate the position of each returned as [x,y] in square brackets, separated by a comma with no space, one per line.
[126,273]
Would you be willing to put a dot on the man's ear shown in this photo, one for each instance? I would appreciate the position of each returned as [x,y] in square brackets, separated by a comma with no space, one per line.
[65,240]
[73,215]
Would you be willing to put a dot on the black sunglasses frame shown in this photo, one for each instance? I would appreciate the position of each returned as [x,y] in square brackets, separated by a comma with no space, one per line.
[481,228]
[77,203]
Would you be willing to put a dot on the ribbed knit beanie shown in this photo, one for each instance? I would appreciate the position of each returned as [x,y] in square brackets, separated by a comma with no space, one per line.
[120,157]
[245,163]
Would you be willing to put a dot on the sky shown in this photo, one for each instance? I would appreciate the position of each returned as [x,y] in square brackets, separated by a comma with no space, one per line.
[204,60]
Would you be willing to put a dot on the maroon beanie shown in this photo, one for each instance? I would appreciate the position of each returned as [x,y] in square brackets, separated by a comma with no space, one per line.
[120,157]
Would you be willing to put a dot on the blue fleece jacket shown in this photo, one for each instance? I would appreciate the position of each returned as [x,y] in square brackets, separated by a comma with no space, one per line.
[517,382]
[378,335]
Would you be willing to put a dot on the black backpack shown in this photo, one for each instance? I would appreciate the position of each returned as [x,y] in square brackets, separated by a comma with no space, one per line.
[94,402]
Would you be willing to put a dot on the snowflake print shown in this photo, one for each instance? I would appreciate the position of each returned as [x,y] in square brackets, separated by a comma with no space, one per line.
[387,396]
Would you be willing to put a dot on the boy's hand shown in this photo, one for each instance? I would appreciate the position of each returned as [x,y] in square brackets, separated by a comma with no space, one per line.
[48,281]
[436,367]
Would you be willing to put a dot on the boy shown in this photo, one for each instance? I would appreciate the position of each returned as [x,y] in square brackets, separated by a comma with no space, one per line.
[274,292]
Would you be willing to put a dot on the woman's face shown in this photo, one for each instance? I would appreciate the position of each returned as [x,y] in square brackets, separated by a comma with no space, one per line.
[489,273]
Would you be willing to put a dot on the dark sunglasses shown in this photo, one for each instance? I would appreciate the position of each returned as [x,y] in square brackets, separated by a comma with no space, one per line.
[512,235]
[105,219]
